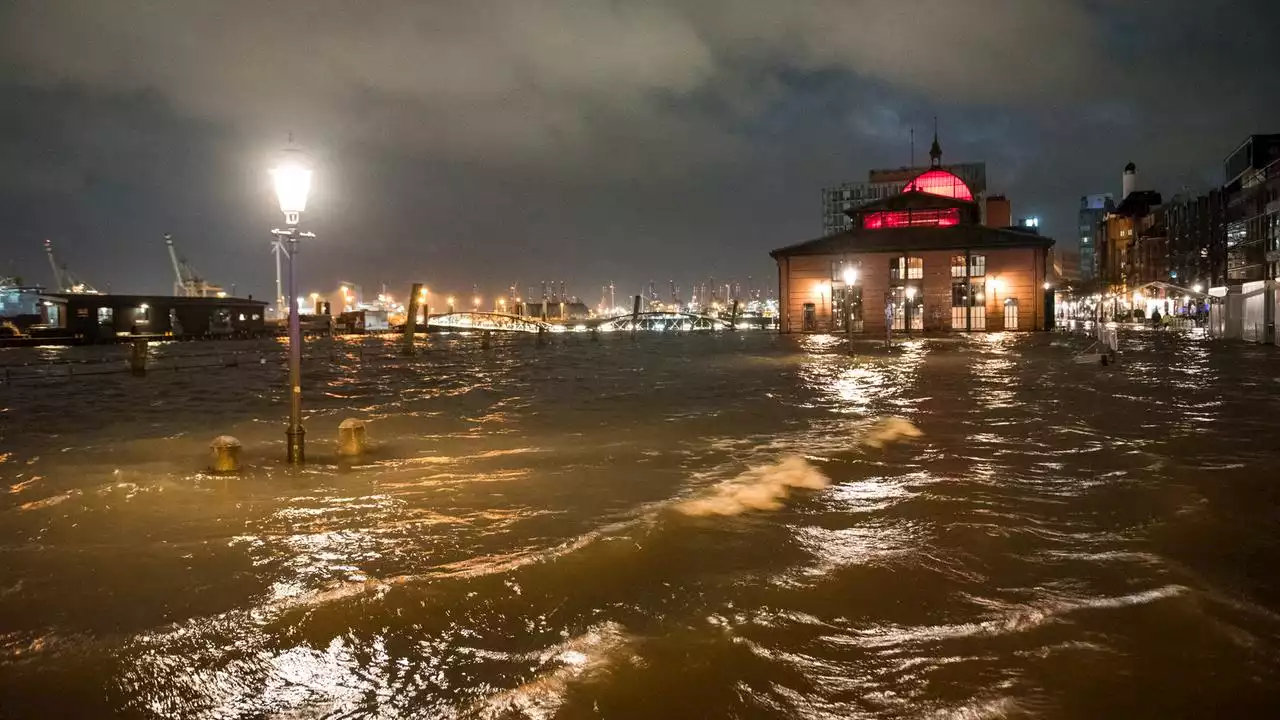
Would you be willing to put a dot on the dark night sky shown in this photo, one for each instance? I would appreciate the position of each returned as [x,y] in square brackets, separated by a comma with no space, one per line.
[499,140]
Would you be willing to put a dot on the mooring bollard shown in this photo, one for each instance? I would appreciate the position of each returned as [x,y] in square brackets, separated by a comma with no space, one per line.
[138,357]
[484,340]
[224,456]
[542,336]
[352,439]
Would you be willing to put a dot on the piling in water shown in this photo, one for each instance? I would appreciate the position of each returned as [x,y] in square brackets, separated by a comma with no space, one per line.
[224,454]
[411,318]
[352,439]
[138,357]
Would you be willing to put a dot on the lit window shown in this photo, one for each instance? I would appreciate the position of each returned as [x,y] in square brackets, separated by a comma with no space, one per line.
[977,265]
[911,218]
[957,266]
[940,182]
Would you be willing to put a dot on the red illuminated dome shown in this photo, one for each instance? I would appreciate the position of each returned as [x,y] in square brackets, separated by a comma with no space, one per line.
[940,182]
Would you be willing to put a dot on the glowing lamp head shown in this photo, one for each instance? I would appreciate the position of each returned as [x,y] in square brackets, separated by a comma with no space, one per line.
[996,284]
[1198,287]
[911,293]
[292,178]
[850,275]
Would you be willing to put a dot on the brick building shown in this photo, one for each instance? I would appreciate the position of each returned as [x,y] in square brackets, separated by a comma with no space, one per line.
[922,260]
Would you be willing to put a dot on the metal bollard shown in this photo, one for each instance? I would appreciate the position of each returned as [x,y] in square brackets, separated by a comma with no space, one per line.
[138,357]
[352,438]
[224,456]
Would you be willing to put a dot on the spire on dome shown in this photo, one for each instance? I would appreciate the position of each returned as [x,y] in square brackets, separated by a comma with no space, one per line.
[935,152]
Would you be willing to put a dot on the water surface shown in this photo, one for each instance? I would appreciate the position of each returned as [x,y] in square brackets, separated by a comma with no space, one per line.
[543,532]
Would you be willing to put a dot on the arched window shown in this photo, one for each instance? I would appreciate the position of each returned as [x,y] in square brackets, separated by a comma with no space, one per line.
[940,182]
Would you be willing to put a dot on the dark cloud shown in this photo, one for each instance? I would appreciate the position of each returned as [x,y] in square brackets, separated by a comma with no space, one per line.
[500,140]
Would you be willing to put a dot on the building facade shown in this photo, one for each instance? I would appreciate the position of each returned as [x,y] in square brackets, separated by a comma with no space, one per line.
[1252,190]
[103,317]
[1196,235]
[920,260]
[1093,208]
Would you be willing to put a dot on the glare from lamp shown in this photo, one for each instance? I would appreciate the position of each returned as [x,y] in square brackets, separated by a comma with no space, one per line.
[850,275]
[292,179]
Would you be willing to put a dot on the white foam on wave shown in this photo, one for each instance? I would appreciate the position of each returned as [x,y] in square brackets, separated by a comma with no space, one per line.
[759,488]
[575,660]
[766,487]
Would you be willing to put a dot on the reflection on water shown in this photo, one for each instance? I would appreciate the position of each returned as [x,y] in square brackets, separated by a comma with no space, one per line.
[734,525]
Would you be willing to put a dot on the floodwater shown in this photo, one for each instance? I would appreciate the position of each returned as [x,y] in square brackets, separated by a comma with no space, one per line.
[737,525]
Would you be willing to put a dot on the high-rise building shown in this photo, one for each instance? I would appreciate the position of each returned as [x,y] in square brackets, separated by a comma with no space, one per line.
[886,183]
[1093,208]
[1196,237]
[1251,187]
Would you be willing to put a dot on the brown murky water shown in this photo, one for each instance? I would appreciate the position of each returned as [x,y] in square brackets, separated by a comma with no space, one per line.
[680,527]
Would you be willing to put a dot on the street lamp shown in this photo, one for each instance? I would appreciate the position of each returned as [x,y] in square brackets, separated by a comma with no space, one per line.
[292,179]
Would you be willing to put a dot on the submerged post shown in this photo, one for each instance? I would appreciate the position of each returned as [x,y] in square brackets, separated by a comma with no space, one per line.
[138,357]
[411,318]
[352,438]
[733,316]
[224,454]
[635,315]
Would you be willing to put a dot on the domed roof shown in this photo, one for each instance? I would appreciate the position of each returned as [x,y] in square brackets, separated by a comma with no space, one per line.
[940,182]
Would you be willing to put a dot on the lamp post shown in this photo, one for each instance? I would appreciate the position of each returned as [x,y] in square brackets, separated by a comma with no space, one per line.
[293,183]
[850,279]
[910,292]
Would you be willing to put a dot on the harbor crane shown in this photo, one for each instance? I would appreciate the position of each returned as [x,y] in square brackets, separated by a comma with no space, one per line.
[187,282]
[63,278]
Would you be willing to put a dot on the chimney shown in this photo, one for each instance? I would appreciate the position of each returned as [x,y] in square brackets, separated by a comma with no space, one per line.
[1129,182]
